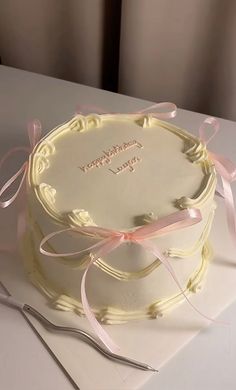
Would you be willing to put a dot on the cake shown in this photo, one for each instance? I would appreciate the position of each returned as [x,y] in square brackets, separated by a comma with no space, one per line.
[118,172]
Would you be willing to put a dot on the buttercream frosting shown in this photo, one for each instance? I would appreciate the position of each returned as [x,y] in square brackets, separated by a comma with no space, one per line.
[120,172]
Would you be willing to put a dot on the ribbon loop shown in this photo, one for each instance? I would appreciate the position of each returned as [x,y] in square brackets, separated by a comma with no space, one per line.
[7,185]
[112,239]
[167,110]
[224,167]
[214,124]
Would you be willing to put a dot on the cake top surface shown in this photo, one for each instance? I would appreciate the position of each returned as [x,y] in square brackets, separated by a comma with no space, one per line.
[118,171]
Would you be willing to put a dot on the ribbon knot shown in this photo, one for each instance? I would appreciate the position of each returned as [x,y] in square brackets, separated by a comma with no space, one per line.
[128,236]
[109,240]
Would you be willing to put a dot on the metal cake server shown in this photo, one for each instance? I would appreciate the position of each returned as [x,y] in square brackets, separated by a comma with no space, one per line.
[10,301]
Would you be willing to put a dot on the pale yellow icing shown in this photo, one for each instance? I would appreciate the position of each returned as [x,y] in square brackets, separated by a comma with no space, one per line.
[109,315]
[195,151]
[118,171]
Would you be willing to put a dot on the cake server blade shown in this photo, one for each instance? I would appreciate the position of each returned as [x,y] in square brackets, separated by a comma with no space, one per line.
[24,308]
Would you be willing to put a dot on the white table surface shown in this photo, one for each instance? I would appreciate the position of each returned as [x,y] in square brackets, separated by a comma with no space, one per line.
[208,362]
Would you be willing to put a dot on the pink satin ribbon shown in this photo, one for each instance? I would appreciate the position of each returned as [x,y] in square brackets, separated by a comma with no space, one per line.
[169,110]
[109,240]
[112,239]
[34,134]
[227,172]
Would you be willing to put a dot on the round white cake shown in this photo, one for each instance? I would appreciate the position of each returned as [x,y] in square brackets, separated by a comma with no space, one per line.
[118,172]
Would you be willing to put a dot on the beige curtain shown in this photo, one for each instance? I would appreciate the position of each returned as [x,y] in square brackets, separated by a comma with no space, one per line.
[177,50]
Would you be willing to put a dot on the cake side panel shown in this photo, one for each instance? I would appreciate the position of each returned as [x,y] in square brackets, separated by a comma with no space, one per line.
[129,280]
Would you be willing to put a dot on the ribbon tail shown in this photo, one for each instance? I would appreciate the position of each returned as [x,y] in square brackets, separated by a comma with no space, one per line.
[12,152]
[34,132]
[107,247]
[227,172]
[219,191]
[21,225]
[148,245]
[230,208]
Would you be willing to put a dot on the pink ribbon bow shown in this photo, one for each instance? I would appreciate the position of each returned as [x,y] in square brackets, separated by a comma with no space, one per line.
[112,239]
[34,134]
[227,172]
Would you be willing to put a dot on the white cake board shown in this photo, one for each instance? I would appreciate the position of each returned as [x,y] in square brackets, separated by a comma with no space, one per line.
[150,341]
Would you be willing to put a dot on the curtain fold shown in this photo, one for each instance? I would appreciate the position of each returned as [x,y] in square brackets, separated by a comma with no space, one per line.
[182,51]
[58,38]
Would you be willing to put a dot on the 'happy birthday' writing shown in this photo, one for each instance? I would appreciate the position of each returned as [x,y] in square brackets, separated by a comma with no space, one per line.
[112,152]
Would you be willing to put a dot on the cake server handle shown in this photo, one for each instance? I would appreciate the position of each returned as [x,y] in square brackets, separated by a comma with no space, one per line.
[10,301]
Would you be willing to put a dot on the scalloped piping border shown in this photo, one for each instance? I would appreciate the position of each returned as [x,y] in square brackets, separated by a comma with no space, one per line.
[197,153]
[108,315]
